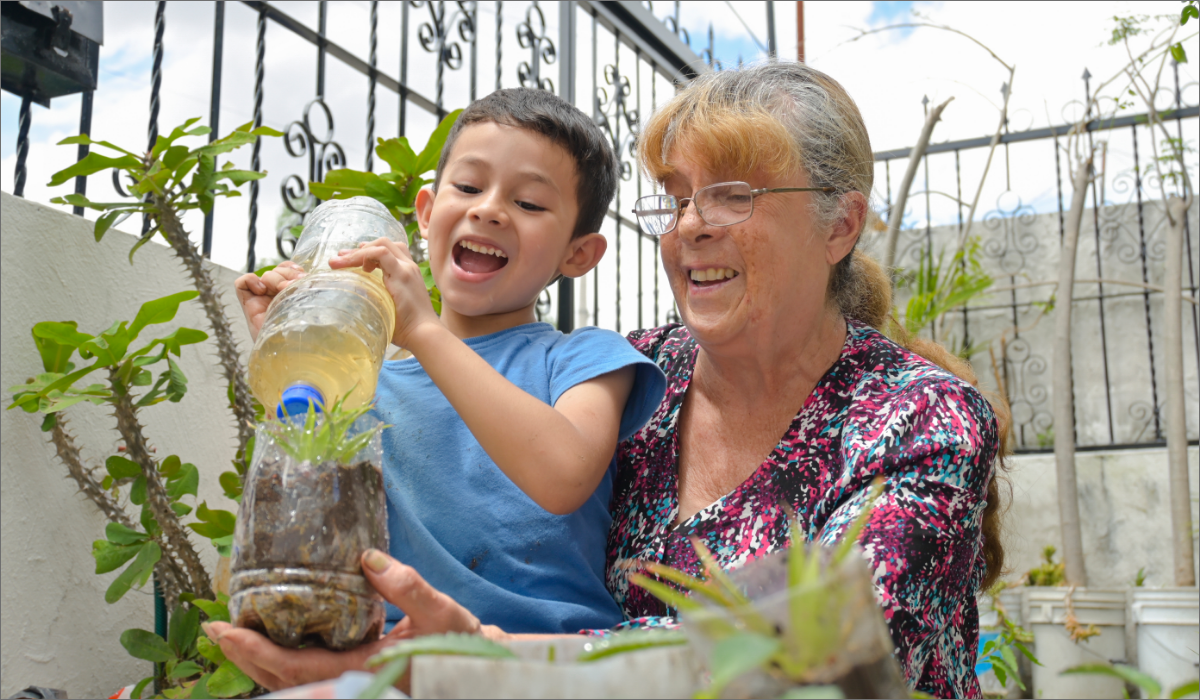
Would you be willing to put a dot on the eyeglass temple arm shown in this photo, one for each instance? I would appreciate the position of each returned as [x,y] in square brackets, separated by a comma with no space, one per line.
[765,190]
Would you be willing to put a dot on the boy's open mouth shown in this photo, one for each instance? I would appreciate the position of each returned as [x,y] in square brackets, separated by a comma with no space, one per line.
[711,277]
[478,259]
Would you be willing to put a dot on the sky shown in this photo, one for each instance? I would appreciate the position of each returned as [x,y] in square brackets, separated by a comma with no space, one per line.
[1050,44]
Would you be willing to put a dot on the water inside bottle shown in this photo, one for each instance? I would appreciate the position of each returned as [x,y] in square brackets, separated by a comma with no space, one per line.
[329,330]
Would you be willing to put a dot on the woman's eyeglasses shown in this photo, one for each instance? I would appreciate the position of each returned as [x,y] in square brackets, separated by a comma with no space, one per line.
[722,204]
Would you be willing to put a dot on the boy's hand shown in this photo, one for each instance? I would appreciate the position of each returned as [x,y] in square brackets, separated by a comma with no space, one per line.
[256,293]
[402,278]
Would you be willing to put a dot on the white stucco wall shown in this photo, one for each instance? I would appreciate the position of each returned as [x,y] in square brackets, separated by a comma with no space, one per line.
[57,630]
[1124,505]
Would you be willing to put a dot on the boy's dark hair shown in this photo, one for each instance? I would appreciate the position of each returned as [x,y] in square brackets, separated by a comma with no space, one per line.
[545,113]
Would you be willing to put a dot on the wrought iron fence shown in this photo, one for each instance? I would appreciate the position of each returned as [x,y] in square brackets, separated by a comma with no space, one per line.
[614,60]
[1117,354]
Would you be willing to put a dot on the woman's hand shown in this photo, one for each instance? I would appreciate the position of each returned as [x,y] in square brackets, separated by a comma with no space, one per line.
[428,611]
[403,280]
[256,293]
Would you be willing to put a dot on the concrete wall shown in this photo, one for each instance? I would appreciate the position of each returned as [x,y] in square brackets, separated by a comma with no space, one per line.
[1021,249]
[57,630]
[1125,509]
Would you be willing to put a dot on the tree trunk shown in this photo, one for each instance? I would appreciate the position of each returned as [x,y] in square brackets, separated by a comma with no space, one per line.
[1064,409]
[896,215]
[1176,418]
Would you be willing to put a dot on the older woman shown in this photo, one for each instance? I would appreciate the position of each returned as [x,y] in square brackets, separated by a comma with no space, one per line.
[782,394]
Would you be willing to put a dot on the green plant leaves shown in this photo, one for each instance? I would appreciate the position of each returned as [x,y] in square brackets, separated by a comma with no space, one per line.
[121,468]
[737,655]
[122,535]
[146,646]
[185,483]
[214,523]
[136,573]
[216,612]
[160,310]
[428,158]
[398,154]
[183,629]
[229,680]
[91,164]
[1186,690]
[185,670]
[449,644]
[110,557]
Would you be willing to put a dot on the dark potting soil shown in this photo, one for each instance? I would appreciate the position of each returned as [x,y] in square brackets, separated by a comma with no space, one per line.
[300,534]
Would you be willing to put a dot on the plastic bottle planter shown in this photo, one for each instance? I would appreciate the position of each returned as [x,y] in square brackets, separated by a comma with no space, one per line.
[301,531]
[842,625]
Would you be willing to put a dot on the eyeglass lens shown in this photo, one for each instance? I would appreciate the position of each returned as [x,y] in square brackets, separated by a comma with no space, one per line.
[722,204]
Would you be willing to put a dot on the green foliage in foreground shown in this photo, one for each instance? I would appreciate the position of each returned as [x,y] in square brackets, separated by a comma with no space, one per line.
[751,641]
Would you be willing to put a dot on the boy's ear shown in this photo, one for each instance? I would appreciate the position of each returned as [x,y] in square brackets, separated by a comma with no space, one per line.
[424,206]
[583,254]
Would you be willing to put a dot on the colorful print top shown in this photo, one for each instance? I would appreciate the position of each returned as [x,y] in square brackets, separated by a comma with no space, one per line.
[880,411]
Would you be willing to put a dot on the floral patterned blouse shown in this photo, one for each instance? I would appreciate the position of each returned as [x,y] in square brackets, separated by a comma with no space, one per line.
[879,411]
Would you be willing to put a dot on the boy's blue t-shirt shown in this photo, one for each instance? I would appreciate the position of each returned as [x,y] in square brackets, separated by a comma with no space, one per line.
[464,525]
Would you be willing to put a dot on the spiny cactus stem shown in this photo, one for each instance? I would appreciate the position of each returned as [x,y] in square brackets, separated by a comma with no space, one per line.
[64,445]
[175,538]
[210,298]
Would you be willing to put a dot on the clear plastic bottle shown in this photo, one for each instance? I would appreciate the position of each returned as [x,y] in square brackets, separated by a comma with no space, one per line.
[325,335]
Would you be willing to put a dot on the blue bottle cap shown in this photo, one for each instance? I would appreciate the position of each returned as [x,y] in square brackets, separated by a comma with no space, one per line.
[296,399]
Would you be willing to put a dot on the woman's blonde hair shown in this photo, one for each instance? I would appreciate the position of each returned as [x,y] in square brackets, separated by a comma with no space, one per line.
[786,118]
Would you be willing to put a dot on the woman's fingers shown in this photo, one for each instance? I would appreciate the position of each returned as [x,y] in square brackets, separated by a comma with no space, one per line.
[275,667]
[427,610]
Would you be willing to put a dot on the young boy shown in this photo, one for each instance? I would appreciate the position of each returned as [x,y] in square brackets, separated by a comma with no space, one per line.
[499,468]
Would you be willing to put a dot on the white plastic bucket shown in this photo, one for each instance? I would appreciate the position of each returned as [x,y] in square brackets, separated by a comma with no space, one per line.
[1168,633]
[1044,611]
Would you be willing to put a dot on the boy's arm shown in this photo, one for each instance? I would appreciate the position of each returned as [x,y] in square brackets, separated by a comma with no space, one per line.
[556,454]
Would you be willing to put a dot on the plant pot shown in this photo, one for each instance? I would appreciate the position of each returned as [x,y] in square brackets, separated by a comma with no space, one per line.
[1168,627]
[1045,612]
[666,672]
[300,533]
[857,653]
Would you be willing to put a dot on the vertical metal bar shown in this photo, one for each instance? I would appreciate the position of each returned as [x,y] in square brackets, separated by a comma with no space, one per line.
[403,65]
[22,148]
[214,110]
[255,163]
[641,241]
[966,344]
[439,16]
[322,15]
[617,140]
[371,86]
[499,40]
[653,107]
[85,127]
[1087,90]
[1137,174]
[596,271]
[474,13]
[160,8]
[566,90]
[772,49]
